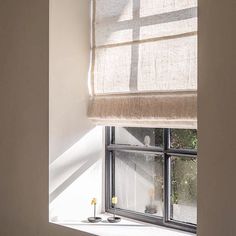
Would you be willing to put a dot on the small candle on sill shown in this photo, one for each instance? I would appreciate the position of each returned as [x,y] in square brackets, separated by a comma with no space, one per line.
[114,219]
[114,200]
[94,219]
[94,201]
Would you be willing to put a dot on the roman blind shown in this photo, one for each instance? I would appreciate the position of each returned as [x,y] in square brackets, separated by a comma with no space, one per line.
[144,67]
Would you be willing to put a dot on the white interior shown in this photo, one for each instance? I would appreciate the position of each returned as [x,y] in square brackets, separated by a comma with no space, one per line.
[76,147]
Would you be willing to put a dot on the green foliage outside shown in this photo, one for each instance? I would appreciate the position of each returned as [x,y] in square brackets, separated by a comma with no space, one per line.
[184,139]
[184,170]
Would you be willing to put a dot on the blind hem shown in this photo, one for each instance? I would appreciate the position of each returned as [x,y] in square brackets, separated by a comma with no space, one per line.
[173,110]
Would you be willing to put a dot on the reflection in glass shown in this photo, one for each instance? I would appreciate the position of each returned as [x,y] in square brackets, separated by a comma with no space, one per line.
[184,189]
[139,182]
[139,136]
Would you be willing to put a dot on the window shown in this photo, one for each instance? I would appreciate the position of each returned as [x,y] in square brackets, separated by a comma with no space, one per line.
[153,172]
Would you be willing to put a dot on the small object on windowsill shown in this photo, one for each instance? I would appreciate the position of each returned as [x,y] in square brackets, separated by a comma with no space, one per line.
[114,219]
[151,208]
[94,219]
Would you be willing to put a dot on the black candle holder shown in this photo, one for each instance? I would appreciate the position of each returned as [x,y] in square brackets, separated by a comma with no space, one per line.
[114,218]
[94,219]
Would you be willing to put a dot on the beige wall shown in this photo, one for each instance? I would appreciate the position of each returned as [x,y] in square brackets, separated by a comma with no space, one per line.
[217,118]
[24,124]
[69,67]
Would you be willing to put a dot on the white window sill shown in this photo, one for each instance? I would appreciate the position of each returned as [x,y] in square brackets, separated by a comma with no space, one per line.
[126,227]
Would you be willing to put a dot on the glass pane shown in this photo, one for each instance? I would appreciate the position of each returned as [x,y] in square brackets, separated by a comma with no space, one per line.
[184,189]
[139,182]
[183,138]
[139,136]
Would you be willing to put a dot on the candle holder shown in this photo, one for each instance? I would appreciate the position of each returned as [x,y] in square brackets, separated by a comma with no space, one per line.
[94,219]
[114,218]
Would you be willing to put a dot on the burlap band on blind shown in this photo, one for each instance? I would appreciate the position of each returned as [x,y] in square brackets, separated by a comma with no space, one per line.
[176,110]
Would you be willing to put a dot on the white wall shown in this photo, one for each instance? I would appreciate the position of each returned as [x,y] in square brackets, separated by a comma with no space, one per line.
[76,146]
[69,67]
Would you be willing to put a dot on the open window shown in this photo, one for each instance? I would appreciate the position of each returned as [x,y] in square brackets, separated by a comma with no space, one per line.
[153,172]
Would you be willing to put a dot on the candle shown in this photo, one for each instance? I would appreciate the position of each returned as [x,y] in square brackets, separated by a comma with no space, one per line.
[94,201]
[114,200]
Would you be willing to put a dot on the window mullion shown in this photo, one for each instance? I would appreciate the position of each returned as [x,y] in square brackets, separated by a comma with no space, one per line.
[113,189]
[113,130]
[108,167]
[167,176]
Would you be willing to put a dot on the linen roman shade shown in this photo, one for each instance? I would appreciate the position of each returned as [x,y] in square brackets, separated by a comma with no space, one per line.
[144,69]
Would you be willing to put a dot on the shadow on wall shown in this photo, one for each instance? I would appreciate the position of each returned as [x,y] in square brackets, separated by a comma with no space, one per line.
[76,146]
[136,21]
[76,177]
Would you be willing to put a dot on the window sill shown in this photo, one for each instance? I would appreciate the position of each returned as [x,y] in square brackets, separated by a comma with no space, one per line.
[125,227]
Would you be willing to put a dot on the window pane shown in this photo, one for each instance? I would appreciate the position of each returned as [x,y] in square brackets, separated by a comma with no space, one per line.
[184,138]
[139,182]
[139,136]
[184,189]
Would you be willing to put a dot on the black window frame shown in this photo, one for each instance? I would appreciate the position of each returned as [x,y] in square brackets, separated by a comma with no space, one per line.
[167,152]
